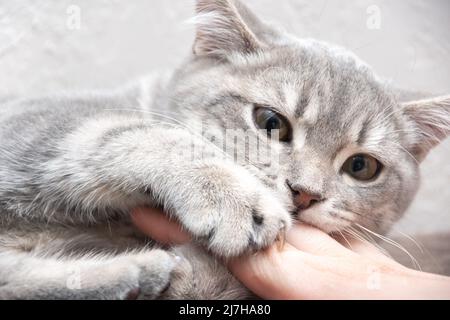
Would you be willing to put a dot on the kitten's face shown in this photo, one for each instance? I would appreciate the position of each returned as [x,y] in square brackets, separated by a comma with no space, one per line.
[347,153]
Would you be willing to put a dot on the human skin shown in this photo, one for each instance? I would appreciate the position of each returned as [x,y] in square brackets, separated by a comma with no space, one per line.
[313,265]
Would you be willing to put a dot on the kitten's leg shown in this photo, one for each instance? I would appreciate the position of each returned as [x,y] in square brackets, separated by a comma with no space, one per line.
[113,163]
[216,200]
[202,276]
[142,275]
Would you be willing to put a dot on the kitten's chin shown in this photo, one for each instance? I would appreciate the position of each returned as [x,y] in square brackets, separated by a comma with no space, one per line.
[323,220]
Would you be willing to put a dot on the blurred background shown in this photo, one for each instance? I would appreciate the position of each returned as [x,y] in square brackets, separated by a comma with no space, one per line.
[50,46]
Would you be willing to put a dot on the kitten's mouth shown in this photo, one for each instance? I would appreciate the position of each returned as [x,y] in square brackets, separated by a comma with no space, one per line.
[318,213]
[321,219]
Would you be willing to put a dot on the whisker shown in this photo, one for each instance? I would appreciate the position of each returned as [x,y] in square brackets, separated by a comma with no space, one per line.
[404,149]
[372,241]
[342,235]
[366,217]
[355,235]
[393,243]
[390,115]
[417,244]
[153,113]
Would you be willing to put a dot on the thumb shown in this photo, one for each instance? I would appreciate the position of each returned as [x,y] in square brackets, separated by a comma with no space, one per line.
[155,224]
[272,273]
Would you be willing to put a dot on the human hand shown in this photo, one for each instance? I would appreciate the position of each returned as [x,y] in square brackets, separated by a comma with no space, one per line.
[155,223]
[313,265]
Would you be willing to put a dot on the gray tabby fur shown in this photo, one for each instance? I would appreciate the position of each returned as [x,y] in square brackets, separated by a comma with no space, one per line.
[73,166]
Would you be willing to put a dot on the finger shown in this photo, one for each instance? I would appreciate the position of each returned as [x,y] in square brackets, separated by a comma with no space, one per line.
[312,240]
[272,273]
[156,224]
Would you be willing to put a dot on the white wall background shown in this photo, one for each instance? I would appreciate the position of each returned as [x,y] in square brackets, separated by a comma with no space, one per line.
[119,40]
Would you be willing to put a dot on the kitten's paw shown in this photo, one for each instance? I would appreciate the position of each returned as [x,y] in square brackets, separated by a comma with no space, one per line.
[253,223]
[155,273]
[235,213]
[143,275]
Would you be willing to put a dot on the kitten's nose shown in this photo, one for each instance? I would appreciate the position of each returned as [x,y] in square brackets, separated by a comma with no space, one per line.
[303,199]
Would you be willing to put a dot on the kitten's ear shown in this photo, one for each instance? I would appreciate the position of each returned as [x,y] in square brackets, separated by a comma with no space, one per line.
[226,26]
[430,121]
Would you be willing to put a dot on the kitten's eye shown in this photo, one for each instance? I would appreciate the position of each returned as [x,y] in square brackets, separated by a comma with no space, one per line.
[362,167]
[269,120]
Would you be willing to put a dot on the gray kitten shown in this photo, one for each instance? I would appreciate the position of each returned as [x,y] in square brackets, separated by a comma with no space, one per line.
[342,153]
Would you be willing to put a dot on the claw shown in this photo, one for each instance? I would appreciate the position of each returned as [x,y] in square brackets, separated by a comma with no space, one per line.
[281,238]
